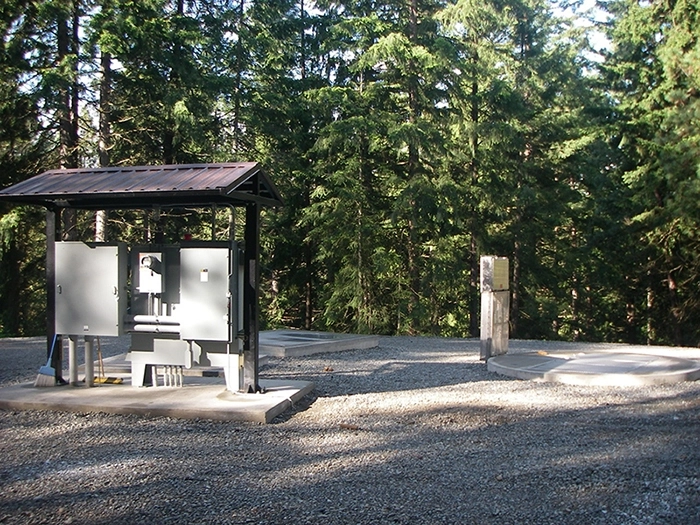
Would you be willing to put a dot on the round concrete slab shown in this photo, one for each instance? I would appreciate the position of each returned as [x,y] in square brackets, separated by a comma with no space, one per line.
[596,368]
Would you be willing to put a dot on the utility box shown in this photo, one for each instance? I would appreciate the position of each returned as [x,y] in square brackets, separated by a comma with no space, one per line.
[91,293]
[208,282]
[155,279]
[186,309]
[495,306]
[151,270]
[184,306]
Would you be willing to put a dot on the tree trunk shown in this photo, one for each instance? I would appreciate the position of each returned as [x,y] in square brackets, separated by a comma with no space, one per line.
[308,288]
[474,113]
[474,262]
[651,300]
[302,58]
[170,155]
[68,43]
[105,131]
[239,77]
[105,139]
[11,288]
[474,289]
[676,316]
[412,171]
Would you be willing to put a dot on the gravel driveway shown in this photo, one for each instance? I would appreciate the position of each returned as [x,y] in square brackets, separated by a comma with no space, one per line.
[416,431]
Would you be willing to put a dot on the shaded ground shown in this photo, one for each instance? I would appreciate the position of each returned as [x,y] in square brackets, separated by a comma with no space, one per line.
[415,431]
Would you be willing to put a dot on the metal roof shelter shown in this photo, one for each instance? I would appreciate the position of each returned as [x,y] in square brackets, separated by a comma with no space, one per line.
[140,187]
[242,184]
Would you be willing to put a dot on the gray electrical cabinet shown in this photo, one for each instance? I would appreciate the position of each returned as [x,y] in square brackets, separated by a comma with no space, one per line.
[208,286]
[183,306]
[155,279]
[90,288]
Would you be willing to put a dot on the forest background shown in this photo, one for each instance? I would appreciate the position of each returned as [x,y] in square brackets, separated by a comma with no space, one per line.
[407,137]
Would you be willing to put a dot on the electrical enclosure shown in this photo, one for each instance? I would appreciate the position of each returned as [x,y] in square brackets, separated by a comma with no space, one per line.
[90,288]
[183,306]
[207,284]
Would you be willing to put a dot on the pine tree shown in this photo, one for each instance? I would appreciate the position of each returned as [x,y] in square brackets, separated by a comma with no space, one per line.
[38,89]
[654,71]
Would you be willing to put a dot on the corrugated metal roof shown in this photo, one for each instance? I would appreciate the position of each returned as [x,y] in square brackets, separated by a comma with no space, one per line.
[147,186]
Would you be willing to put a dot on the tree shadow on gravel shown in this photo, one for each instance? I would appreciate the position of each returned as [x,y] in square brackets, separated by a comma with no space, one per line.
[394,377]
[433,363]
[625,462]
[510,451]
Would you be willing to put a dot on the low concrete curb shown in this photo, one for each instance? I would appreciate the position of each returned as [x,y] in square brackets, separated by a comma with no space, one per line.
[297,343]
[603,368]
[199,398]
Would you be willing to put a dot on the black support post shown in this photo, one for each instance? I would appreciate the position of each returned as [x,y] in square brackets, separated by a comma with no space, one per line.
[251,296]
[53,232]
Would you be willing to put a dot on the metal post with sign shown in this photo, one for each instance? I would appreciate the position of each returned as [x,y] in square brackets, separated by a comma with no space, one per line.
[495,306]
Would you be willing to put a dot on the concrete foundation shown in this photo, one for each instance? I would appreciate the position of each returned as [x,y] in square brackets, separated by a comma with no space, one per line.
[296,343]
[202,394]
[599,364]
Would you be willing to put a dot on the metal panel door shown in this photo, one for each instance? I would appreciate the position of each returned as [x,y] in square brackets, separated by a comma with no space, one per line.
[204,294]
[90,288]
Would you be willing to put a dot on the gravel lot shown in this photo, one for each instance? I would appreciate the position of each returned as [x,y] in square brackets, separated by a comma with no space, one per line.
[416,431]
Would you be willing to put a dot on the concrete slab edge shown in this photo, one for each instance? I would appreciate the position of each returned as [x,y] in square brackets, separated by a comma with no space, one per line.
[123,410]
[289,402]
[621,380]
[319,347]
[337,346]
[253,414]
[595,379]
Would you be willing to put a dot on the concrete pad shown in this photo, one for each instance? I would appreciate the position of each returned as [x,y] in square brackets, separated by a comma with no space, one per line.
[296,343]
[277,343]
[199,397]
[605,368]
[203,394]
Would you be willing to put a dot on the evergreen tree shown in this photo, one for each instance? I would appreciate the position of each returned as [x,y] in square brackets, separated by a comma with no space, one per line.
[407,137]
[528,138]
[654,71]
[164,91]
[38,97]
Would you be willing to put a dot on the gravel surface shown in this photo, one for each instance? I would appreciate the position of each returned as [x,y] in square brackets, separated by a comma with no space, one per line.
[416,431]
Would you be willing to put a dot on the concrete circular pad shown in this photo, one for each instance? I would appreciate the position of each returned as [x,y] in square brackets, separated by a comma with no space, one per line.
[596,368]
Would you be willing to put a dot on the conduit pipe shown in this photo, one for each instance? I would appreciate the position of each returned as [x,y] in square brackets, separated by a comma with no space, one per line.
[156,328]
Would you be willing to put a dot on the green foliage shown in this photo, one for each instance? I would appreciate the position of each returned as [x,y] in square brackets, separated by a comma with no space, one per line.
[655,74]
[407,138]
[22,283]
[26,148]
[165,92]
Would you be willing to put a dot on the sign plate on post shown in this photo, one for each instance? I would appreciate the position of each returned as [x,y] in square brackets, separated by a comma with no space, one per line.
[494,273]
